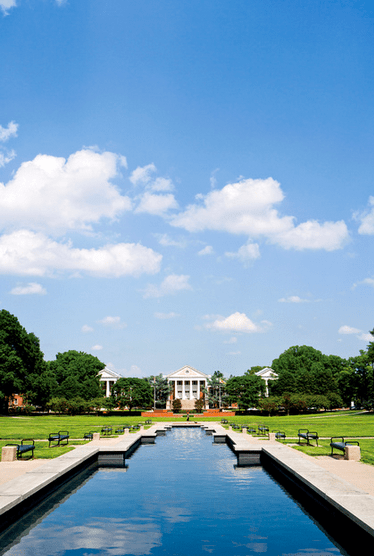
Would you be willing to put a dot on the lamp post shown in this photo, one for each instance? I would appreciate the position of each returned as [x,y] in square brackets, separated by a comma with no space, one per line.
[154,393]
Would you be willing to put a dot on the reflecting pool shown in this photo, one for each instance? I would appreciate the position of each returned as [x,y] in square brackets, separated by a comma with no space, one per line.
[182,496]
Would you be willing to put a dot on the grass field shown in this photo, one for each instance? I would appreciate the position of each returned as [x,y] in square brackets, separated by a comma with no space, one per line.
[350,424]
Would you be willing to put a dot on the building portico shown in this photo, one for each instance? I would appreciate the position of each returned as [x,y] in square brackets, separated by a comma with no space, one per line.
[187,384]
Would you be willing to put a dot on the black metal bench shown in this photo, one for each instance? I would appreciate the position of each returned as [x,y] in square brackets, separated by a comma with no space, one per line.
[148,422]
[263,429]
[224,421]
[120,430]
[88,435]
[106,431]
[340,445]
[280,435]
[24,448]
[60,438]
[305,434]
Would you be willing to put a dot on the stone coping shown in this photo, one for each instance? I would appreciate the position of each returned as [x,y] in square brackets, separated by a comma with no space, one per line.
[348,499]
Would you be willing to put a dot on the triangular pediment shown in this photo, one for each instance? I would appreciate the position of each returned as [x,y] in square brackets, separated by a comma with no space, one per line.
[187,372]
[108,374]
[267,373]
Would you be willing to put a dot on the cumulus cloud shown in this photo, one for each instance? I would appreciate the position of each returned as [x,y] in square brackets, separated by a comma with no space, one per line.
[293,299]
[246,253]
[112,322]
[156,204]
[54,194]
[29,253]
[142,174]
[5,5]
[171,285]
[208,250]
[86,329]
[6,157]
[30,289]
[97,347]
[247,207]
[366,337]
[237,322]
[232,340]
[367,219]
[166,316]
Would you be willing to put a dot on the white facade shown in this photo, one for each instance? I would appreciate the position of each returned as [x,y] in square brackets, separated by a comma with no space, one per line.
[187,385]
[109,378]
[267,374]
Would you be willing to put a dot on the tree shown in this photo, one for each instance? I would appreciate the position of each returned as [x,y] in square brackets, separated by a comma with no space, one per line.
[216,390]
[245,390]
[132,392]
[161,389]
[76,374]
[304,370]
[199,404]
[22,367]
[177,405]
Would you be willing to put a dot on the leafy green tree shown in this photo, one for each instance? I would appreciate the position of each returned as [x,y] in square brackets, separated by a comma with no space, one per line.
[216,390]
[161,389]
[304,370]
[199,405]
[245,390]
[22,367]
[132,392]
[76,374]
[177,405]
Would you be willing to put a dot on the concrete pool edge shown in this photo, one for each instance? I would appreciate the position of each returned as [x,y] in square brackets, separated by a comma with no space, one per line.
[20,494]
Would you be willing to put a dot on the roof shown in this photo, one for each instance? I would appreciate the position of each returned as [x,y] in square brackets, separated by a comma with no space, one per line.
[187,372]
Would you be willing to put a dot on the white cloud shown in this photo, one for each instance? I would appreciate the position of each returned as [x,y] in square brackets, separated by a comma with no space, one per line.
[348,330]
[156,204]
[11,131]
[171,285]
[166,241]
[6,157]
[28,253]
[54,194]
[367,219]
[366,337]
[208,250]
[112,322]
[313,235]
[97,347]
[5,5]
[293,299]
[232,340]
[166,316]
[31,288]
[86,328]
[237,322]
[142,175]
[247,207]
[359,333]
[246,253]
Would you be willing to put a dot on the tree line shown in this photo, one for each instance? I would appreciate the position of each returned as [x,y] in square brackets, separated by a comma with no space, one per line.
[70,383]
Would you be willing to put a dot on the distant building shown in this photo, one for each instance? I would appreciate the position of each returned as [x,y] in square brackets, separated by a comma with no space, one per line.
[267,374]
[187,384]
[107,379]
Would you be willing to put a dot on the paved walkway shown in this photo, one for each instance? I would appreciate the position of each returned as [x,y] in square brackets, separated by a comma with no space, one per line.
[358,474]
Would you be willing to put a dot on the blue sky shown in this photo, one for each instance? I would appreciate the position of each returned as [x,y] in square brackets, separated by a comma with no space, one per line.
[188,182]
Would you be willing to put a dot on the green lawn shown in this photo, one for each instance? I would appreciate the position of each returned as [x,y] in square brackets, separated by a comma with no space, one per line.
[350,424]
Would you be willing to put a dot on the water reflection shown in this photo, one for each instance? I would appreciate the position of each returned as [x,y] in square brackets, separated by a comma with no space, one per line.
[180,497]
[111,537]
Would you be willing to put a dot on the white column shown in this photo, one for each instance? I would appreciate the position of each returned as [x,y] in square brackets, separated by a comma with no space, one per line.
[107,388]
[183,389]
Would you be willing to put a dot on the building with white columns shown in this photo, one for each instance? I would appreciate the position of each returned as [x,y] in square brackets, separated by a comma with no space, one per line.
[187,384]
[107,379]
[267,374]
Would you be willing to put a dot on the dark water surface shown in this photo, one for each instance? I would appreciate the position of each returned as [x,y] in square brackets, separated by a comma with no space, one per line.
[182,496]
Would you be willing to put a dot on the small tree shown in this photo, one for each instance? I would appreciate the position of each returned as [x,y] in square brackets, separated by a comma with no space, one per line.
[177,405]
[161,389]
[199,404]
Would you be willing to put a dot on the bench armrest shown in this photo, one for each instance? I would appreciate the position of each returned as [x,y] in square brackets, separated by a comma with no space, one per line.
[303,431]
[340,437]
